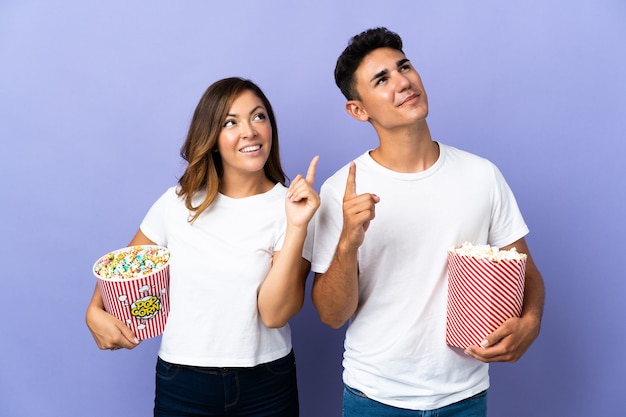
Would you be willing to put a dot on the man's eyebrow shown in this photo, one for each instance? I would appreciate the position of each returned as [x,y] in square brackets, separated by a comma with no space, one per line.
[385,71]
[379,74]
[402,62]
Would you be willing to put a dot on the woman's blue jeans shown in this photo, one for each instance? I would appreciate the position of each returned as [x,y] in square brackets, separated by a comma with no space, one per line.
[266,390]
[355,403]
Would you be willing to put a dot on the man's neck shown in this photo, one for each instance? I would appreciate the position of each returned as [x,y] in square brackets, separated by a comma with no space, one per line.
[407,149]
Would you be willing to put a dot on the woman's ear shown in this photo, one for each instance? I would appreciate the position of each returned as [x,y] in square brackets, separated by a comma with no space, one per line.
[356,110]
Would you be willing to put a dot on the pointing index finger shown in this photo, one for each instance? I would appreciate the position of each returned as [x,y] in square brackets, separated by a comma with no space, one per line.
[351,181]
[310,174]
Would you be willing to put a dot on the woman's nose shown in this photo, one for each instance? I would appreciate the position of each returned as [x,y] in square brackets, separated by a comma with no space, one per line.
[247,130]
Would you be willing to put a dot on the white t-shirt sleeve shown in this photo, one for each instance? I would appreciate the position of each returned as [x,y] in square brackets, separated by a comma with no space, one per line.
[507,224]
[328,225]
[307,250]
[153,225]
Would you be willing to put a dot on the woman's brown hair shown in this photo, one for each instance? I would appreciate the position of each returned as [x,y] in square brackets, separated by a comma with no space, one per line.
[204,166]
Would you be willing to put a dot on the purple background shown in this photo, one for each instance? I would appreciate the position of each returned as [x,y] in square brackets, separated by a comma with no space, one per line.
[95,101]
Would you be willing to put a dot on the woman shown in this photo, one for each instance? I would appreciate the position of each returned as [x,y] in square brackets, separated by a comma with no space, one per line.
[239,260]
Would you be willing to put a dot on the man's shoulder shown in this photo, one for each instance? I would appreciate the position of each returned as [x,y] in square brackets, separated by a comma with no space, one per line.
[458,155]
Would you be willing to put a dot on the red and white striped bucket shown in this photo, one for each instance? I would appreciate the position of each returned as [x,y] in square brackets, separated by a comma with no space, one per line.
[142,302]
[482,294]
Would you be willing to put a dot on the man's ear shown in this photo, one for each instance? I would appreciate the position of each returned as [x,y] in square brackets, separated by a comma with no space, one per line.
[356,110]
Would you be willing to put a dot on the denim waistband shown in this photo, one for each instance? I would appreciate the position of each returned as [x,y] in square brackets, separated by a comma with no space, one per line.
[225,369]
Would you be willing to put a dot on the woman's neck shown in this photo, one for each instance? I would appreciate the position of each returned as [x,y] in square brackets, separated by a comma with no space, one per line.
[236,186]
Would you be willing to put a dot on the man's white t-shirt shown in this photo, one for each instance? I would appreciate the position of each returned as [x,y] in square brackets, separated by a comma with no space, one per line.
[395,350]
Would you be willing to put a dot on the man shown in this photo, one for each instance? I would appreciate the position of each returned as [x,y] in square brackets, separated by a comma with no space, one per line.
[383,231]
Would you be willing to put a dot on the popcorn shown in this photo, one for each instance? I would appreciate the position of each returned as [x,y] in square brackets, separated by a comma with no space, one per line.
[488,252]
[131,262]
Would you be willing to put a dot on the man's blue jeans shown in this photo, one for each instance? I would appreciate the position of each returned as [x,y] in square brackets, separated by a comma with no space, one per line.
[267,390]
[355,403]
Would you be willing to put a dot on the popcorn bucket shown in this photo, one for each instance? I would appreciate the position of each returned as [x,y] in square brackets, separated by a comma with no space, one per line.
[134,283]
[482,294]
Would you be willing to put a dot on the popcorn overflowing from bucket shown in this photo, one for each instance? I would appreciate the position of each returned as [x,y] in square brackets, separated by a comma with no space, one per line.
[485,288]
[131,262]
[488,252]
[134,283]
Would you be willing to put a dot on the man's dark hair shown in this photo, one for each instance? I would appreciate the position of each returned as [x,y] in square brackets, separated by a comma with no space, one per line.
[358,48]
